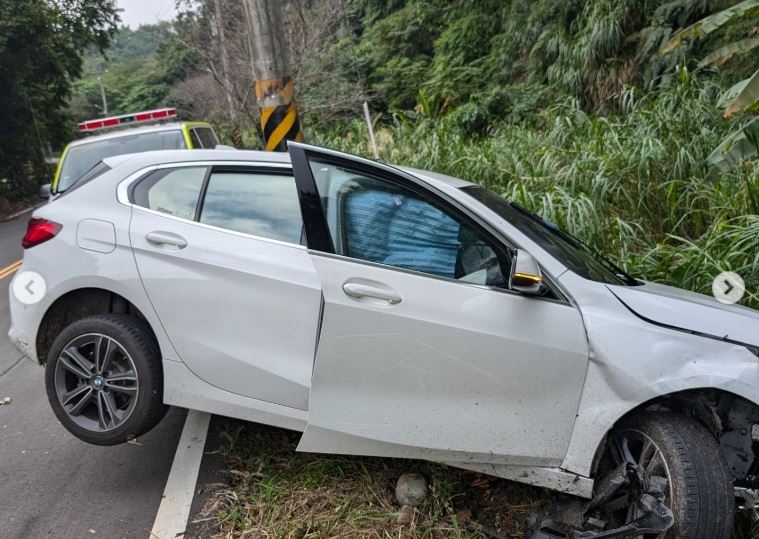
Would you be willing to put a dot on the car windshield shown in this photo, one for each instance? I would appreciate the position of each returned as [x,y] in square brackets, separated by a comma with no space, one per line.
[81,158]
[564,247]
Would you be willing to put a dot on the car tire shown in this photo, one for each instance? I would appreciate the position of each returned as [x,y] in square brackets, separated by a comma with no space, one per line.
[699,477]
[104,379]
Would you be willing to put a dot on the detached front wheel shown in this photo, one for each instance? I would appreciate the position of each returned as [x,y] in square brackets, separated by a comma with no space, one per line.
[685,460]
[104,380]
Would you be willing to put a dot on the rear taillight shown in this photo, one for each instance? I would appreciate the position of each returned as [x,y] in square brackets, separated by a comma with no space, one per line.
[39,231]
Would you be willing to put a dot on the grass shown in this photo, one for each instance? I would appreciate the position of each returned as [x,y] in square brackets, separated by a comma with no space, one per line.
[275,492]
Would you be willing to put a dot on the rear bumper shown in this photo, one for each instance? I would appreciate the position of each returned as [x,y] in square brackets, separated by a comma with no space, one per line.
[24,323]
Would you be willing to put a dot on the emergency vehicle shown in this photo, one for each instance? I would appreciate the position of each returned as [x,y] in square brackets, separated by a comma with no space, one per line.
[163,134]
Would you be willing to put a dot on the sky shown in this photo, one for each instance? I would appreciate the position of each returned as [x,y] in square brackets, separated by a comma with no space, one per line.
[137,12]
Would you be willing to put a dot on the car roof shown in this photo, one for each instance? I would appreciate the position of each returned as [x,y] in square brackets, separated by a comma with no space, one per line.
[159,157]
[458,183]
[128,131]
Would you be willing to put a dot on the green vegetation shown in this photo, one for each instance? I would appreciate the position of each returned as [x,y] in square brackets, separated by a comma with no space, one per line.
[278,493]
[41,46]
[137,72]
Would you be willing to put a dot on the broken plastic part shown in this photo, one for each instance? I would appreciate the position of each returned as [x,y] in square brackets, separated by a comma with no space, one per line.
[654,517]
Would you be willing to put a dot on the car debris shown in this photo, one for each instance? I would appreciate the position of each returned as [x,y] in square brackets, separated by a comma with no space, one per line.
[6,400]
[572,518]
[748,499]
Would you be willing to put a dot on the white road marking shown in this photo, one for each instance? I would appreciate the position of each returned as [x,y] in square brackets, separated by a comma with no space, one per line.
[174,511]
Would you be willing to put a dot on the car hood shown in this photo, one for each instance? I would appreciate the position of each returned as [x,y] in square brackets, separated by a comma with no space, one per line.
[689,311]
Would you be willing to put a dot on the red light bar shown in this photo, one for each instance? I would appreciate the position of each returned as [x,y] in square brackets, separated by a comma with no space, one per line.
[114,121]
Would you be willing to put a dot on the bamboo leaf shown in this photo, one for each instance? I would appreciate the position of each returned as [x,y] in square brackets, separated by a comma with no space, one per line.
[711,23]
[747,97]
[728,95]
[743,144]
[723,54]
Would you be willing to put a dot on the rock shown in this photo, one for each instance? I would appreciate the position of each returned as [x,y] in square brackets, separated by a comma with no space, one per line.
[411,489]
[406,515]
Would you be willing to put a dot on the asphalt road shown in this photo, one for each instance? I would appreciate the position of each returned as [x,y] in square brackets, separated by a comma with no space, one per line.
[53,485]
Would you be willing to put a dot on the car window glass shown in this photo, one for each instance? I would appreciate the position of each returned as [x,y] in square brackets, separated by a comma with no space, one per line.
[207,137]
[378,221]
[260,204]
[195,139]
[547,235]
[79,159]
[171,191]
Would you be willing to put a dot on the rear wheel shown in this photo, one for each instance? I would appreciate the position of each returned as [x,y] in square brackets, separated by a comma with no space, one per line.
[104,381]
[697,482]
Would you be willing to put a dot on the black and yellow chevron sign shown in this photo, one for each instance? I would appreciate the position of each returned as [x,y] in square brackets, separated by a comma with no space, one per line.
[279,114]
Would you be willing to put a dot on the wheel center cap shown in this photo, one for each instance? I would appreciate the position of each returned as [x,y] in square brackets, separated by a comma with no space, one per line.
[97,382]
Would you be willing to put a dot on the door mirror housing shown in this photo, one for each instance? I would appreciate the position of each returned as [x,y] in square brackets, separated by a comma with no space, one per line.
[45,191]
[526,276]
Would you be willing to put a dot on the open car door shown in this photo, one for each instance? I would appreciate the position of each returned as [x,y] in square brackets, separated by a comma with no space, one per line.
[424,352]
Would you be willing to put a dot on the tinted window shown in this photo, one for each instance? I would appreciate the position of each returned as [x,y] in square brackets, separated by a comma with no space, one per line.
[171,191]
[195,139]
[207,137]
[80,159]
[378,221]
[260,204]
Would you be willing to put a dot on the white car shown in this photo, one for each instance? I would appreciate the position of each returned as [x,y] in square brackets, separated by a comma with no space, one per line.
[390,312]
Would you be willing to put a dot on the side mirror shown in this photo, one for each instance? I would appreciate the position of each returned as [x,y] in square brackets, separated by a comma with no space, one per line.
[45,191]
[526,276]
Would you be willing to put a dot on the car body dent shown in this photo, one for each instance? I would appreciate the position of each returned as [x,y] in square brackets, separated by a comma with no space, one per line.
[633,361]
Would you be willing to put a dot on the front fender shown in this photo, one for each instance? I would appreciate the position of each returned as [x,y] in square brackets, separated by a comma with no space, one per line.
[638,362]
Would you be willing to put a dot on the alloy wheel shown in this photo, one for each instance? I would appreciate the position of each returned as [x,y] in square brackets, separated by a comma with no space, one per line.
[96,382]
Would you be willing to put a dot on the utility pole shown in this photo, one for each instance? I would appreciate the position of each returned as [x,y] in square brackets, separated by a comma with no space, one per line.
[270,62]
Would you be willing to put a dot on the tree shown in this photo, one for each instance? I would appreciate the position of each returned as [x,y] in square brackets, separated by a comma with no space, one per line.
[743,96]
[41,48]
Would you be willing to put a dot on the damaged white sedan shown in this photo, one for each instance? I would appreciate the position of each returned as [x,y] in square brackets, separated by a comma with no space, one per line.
[390,312]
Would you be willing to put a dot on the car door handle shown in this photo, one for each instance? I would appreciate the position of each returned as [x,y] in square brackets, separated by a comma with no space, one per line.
[166,238]
[361,290]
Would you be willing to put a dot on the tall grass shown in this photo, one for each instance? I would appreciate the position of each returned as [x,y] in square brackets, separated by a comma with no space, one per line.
[634,185]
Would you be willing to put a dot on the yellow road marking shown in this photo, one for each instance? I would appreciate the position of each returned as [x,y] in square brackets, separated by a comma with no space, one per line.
[9,270]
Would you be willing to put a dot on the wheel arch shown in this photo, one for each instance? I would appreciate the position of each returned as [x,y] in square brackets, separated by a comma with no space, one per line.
[79,303]
[727,415]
